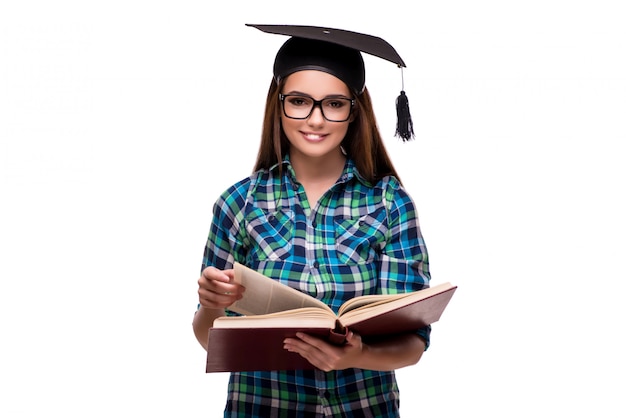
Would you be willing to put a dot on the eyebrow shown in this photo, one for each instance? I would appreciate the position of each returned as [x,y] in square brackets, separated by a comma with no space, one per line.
[328,96]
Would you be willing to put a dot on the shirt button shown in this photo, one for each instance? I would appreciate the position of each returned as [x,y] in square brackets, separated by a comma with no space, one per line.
[296,186]
[316,265]
[314,224]
[323,393]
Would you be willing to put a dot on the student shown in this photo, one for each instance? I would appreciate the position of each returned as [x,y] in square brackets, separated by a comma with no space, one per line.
[325,213]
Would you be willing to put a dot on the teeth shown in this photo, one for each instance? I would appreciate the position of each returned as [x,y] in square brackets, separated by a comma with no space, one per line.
[313,136]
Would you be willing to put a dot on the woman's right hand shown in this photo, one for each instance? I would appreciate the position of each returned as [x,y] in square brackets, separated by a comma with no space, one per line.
[217,288]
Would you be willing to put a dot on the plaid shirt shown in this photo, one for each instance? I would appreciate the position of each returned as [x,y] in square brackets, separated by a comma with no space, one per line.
[360,239]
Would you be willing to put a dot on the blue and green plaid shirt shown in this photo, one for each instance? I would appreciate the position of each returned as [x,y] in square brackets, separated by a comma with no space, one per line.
[360,239]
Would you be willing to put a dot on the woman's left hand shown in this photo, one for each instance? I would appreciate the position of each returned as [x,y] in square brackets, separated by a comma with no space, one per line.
[326,356]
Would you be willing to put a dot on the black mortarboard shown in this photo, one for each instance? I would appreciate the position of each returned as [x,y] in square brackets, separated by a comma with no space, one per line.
[337,52]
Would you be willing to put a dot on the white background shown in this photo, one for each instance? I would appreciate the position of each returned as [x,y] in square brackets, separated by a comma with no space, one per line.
[121,122]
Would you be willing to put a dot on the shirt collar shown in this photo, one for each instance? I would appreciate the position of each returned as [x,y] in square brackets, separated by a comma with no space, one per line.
[350,171]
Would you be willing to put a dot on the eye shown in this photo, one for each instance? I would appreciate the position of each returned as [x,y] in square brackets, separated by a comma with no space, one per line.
[335,103]
[298,101]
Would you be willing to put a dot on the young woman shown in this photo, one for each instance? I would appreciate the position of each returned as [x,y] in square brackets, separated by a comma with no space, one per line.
[323,212]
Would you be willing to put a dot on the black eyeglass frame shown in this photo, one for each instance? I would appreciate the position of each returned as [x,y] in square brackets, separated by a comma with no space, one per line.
[316,103]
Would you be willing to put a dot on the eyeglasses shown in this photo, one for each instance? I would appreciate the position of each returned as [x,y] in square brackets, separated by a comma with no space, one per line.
[300,107]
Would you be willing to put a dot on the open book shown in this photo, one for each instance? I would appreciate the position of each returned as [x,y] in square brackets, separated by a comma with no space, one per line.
[273,311]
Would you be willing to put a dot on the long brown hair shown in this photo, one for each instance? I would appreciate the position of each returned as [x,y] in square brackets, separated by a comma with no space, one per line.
[362,143]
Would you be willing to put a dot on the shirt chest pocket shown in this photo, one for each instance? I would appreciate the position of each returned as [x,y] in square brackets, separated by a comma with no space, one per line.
[359,239]
[270,234]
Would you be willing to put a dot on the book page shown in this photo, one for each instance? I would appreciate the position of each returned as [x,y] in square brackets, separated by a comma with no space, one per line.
[301,318]
[264,295]
[368,300]
[387,303]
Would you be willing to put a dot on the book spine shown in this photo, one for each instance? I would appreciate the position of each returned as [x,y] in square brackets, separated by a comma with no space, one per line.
[338,335]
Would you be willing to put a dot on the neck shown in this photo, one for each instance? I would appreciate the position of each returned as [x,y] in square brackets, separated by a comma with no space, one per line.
[318,169]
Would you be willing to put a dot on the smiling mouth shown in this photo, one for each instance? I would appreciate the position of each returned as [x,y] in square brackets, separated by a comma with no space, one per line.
[313,137]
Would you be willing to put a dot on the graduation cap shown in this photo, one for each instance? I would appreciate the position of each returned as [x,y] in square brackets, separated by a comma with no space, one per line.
[337,52]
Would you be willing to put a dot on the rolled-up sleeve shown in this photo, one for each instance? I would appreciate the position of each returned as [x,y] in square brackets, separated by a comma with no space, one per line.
[403,261]
[226,243]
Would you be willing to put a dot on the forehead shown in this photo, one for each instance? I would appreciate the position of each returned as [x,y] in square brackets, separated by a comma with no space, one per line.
[315,83]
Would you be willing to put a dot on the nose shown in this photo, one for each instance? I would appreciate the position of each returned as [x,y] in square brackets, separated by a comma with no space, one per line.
[316,117]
